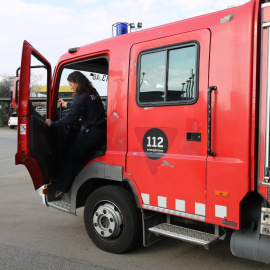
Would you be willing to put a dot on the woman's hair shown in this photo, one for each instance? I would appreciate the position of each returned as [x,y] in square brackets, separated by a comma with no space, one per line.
[84,85]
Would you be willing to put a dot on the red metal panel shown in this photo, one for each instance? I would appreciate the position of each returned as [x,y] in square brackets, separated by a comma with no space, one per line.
[179,174]
[231,70]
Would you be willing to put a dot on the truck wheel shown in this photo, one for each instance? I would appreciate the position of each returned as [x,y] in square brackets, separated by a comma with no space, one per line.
[112,219]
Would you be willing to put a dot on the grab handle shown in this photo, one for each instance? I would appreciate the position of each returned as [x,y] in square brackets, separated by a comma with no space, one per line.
[209,121]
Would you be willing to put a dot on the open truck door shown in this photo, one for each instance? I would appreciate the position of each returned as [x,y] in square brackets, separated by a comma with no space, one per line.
[34,148]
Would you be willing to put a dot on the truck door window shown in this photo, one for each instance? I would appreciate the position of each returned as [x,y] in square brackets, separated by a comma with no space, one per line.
[96,70]
[168,76]
[38,86]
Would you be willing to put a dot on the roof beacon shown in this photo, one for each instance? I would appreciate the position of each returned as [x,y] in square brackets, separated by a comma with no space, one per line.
[121,28]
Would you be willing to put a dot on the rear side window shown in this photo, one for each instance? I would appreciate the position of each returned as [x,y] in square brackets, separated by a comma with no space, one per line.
[168,76]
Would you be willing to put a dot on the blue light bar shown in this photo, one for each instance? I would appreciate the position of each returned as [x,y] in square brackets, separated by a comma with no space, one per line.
[121,28]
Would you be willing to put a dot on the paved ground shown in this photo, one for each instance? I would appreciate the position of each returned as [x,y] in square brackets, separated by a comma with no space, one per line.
[33,236]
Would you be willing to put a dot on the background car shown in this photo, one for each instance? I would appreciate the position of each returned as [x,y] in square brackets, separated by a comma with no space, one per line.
[13,120]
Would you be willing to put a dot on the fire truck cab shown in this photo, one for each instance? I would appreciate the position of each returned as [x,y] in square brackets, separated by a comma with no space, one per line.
[187,151]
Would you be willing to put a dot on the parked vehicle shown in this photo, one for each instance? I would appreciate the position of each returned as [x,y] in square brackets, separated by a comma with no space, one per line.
[13,120]
[188,129]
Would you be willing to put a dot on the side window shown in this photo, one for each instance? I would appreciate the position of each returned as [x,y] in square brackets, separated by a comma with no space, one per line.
[168,76]
[96,70]
[38,86]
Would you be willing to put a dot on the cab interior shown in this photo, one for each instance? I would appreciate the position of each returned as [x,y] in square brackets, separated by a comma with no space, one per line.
[96,70]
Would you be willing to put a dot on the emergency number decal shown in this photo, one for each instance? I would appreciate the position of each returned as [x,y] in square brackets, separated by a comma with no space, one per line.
[155,143]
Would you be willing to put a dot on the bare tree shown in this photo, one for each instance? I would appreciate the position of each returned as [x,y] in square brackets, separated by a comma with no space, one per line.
[5,86]
[5,93]
[35,84]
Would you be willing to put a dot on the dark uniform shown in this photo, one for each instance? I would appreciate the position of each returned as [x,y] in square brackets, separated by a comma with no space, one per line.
[93,134]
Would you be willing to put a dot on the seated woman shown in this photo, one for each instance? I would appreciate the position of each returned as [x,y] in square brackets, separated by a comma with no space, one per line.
[87,106]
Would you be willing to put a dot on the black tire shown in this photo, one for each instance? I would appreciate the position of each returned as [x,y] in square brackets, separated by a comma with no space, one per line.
[11,127]
[112,219]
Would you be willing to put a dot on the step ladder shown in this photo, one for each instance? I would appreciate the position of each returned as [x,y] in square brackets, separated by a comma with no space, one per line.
[189,235]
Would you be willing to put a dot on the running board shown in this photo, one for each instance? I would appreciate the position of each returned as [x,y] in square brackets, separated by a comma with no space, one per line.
[185,234]
[61,205]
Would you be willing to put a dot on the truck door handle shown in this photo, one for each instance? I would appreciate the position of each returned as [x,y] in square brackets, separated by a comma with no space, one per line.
[209,121]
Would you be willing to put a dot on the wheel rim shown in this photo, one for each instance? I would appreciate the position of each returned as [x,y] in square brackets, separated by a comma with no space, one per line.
[107,220]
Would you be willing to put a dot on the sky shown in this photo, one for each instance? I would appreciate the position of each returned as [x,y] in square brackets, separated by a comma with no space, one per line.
[54,26]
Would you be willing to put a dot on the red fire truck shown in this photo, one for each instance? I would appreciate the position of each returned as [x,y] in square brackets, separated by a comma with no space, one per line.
[188,133]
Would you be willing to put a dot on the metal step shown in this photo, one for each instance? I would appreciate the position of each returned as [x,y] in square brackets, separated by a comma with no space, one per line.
[185,234]
[61,205]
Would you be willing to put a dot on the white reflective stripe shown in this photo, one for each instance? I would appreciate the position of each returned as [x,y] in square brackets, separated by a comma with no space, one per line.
[220,211]
[266,24]
[173,212]
[265,184]
[162,201]
[145,198]
[200,209]
[42,195]
[265,5]
[180,205]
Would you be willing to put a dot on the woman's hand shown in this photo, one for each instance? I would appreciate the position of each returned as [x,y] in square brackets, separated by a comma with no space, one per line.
[62,103]
[48,122]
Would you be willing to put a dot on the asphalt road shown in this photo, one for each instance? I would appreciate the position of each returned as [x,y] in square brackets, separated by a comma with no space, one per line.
[33,236]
